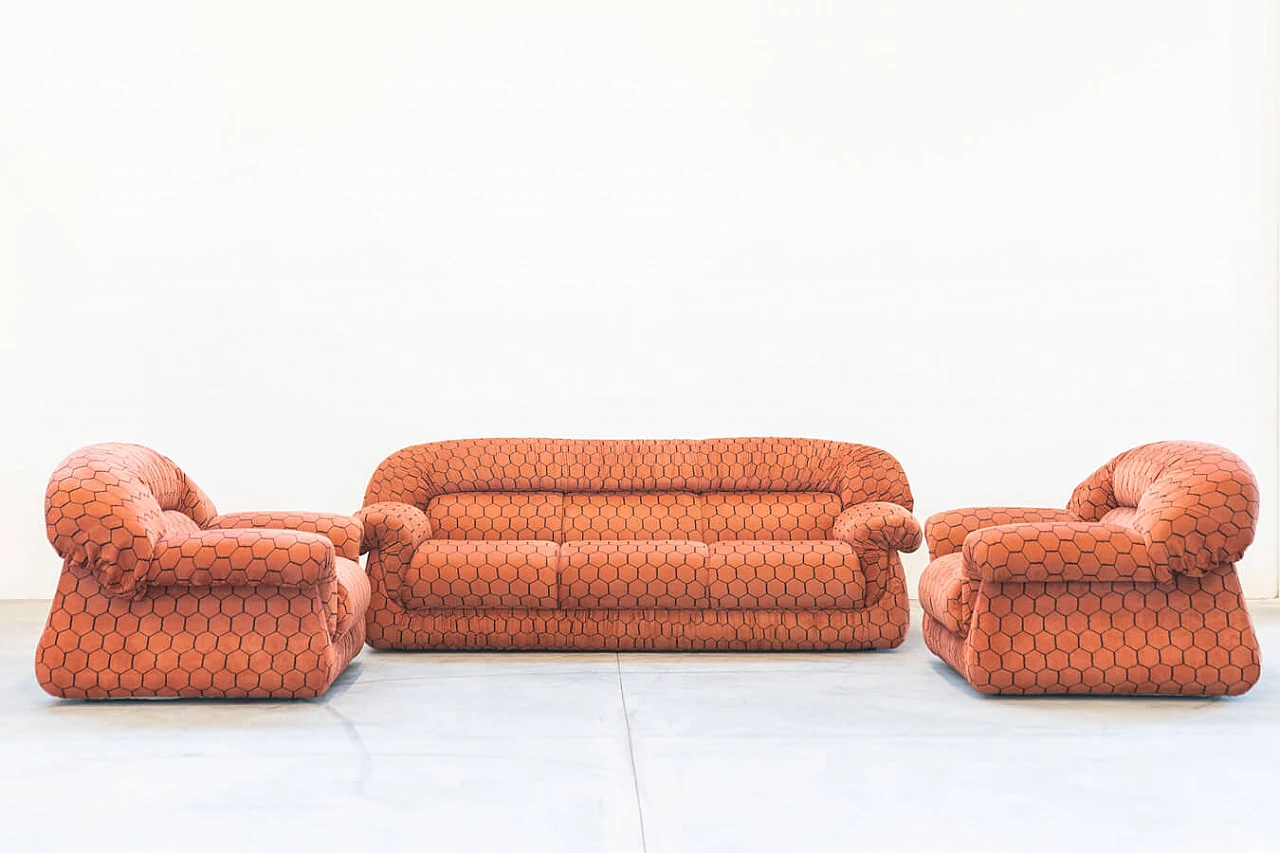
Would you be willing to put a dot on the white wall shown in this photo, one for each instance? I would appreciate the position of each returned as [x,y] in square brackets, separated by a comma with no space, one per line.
[1002,240]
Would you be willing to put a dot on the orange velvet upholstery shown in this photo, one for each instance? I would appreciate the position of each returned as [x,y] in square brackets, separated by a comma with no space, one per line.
[1131,589]
[465,573]
[769,515]
[645,515]
[497,515]
[623,574]
[741,543]
[784,575]
[160,596]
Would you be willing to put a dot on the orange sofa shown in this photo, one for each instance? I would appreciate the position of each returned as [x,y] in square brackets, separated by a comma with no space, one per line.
[1131,589]
[740,543]
[161,596]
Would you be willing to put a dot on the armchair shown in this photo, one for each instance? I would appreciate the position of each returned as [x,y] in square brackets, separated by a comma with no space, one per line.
[1130,589]
[160,596]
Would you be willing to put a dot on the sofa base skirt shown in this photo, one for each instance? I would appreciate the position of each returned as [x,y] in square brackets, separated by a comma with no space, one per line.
[639,630]
[881,626]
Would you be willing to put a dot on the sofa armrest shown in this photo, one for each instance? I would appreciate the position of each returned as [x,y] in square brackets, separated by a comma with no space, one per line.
[343,531]
[392,533]
[1060,551]
[945,532]
[879,524]
[391,524]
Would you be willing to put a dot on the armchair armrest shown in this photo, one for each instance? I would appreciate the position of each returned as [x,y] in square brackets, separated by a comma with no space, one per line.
[245,557]
[1060,551]
[343,531]
[879,524]
[945,532]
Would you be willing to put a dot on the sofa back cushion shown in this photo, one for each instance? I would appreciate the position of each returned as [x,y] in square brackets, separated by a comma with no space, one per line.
[496,515]
[728,516]
[637,515]
[596,516]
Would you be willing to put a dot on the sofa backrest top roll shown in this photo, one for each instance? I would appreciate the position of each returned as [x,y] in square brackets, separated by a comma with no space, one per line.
[855,472]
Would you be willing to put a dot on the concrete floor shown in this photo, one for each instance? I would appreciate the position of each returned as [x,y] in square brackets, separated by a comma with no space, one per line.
[637,752]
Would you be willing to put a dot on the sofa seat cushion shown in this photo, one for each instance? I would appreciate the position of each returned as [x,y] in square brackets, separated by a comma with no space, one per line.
[469,573]
[632,574]
[946,595]
[764,574]
[353,594]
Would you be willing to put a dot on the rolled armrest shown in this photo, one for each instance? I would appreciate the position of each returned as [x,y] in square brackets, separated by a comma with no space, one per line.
[343,531]
[945,532]
[392,533]
[1200,525]
[390,524]
[1060,551]
[879,524]
[245,557]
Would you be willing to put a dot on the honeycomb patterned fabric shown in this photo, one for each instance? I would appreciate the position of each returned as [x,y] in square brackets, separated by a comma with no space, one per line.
[1131,589]
[161,596]
[734,543]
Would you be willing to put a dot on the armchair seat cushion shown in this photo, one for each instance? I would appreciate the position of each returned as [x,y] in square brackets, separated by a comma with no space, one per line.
[455,573]
[945,595]
[353,594]
[625,574]
[777,574]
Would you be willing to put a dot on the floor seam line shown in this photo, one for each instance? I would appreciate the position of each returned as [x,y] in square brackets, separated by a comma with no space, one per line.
[631,753]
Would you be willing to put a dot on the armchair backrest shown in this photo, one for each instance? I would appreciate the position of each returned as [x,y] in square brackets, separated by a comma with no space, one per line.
[107,505]
[1196,503]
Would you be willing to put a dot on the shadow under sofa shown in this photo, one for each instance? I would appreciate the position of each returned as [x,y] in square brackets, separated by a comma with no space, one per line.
[564,544]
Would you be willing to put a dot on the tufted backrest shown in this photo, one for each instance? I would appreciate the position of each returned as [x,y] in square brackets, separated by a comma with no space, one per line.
[1196,504]
[107,505]
[571,489]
